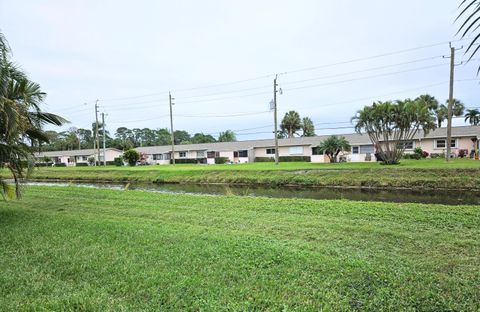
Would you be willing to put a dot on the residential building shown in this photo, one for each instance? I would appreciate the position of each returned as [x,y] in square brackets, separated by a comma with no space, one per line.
[362,149]
[73,157]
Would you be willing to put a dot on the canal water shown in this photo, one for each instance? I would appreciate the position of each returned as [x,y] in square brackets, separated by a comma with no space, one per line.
[447,197]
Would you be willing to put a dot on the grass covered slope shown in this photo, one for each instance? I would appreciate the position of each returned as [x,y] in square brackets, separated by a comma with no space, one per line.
[429,173]
[66,248]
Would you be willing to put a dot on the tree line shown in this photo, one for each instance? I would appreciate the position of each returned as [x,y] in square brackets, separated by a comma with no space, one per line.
[125,138]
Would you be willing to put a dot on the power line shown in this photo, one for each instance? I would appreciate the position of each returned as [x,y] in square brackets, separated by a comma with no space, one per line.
[288,72]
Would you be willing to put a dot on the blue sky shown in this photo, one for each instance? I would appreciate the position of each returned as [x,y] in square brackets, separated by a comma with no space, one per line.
[129,54]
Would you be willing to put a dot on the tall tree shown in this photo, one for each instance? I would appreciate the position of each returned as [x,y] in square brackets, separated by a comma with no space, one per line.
[21,120]
[202,138]
[291,123]
[441,113]
[473,117]
[469,17]
[182,137]
[163,137]
[227,136]
[332,146]
[389,124]
[308,129]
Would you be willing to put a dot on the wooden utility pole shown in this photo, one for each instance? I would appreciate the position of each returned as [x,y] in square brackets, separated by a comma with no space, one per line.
[450,103]
[97,141]
[275,131]
[171,127]
[104,149]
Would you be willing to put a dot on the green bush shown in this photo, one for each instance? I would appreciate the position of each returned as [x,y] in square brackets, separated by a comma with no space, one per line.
[221,160]
[81,165]
[264,159]
[437,155]
[60,165]
[131,157]
[190,161]
[294,158]
[43,164]
[412,156]
[118,161]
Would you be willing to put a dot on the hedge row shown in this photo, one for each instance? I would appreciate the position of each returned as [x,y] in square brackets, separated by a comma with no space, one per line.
[284,159]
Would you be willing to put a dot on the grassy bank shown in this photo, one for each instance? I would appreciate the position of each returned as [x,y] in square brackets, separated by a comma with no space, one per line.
[88,249]
[436,173]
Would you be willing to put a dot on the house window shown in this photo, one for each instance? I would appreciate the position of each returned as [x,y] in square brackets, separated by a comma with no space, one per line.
[295,150]
[200,154]
[157,156]
[355,150]
[166,156]
[442,143]
[408,145]
[213,154]
[316,151]
[366,149]
[182,154]
[270,151]
[243,153]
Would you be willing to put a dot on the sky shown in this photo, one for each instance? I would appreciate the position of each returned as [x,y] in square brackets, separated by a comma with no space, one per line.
[219,59]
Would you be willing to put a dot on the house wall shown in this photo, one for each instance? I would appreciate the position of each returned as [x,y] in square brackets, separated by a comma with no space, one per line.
[283,151]
[428,145]
[112,154]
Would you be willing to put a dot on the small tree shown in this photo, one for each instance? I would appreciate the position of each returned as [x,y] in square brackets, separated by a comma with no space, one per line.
[390,124]
[131,157]
[332,146]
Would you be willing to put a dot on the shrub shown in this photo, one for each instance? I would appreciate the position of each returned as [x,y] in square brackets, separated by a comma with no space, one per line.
[412,156]
[425,154]
[437,155]
[294,158]
[91,160]
[264,159]
[60,165]
[81,165]
[131,157]
[462,153]
[189,161]
[118,161]
[221,160]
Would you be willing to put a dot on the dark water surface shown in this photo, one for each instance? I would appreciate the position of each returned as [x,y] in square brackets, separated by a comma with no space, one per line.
[449,197]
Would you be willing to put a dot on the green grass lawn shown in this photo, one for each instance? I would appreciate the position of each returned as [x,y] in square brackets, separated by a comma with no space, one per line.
[67,248]
[460,163]
[427,173]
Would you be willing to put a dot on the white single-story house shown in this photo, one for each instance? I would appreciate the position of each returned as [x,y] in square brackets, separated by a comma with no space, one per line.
[73,157]
[362,148]
[302,148]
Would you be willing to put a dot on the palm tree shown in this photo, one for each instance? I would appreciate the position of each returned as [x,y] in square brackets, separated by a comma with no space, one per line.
[470,11]
[429,101]
[291,123]
[441,112]
[332,146]
[473,116]
[308,129]
[21,120]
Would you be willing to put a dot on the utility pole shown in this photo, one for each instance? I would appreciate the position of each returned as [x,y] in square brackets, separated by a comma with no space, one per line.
[170,99]
[96,140]
[275,131]
[104,149]
[450,102]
